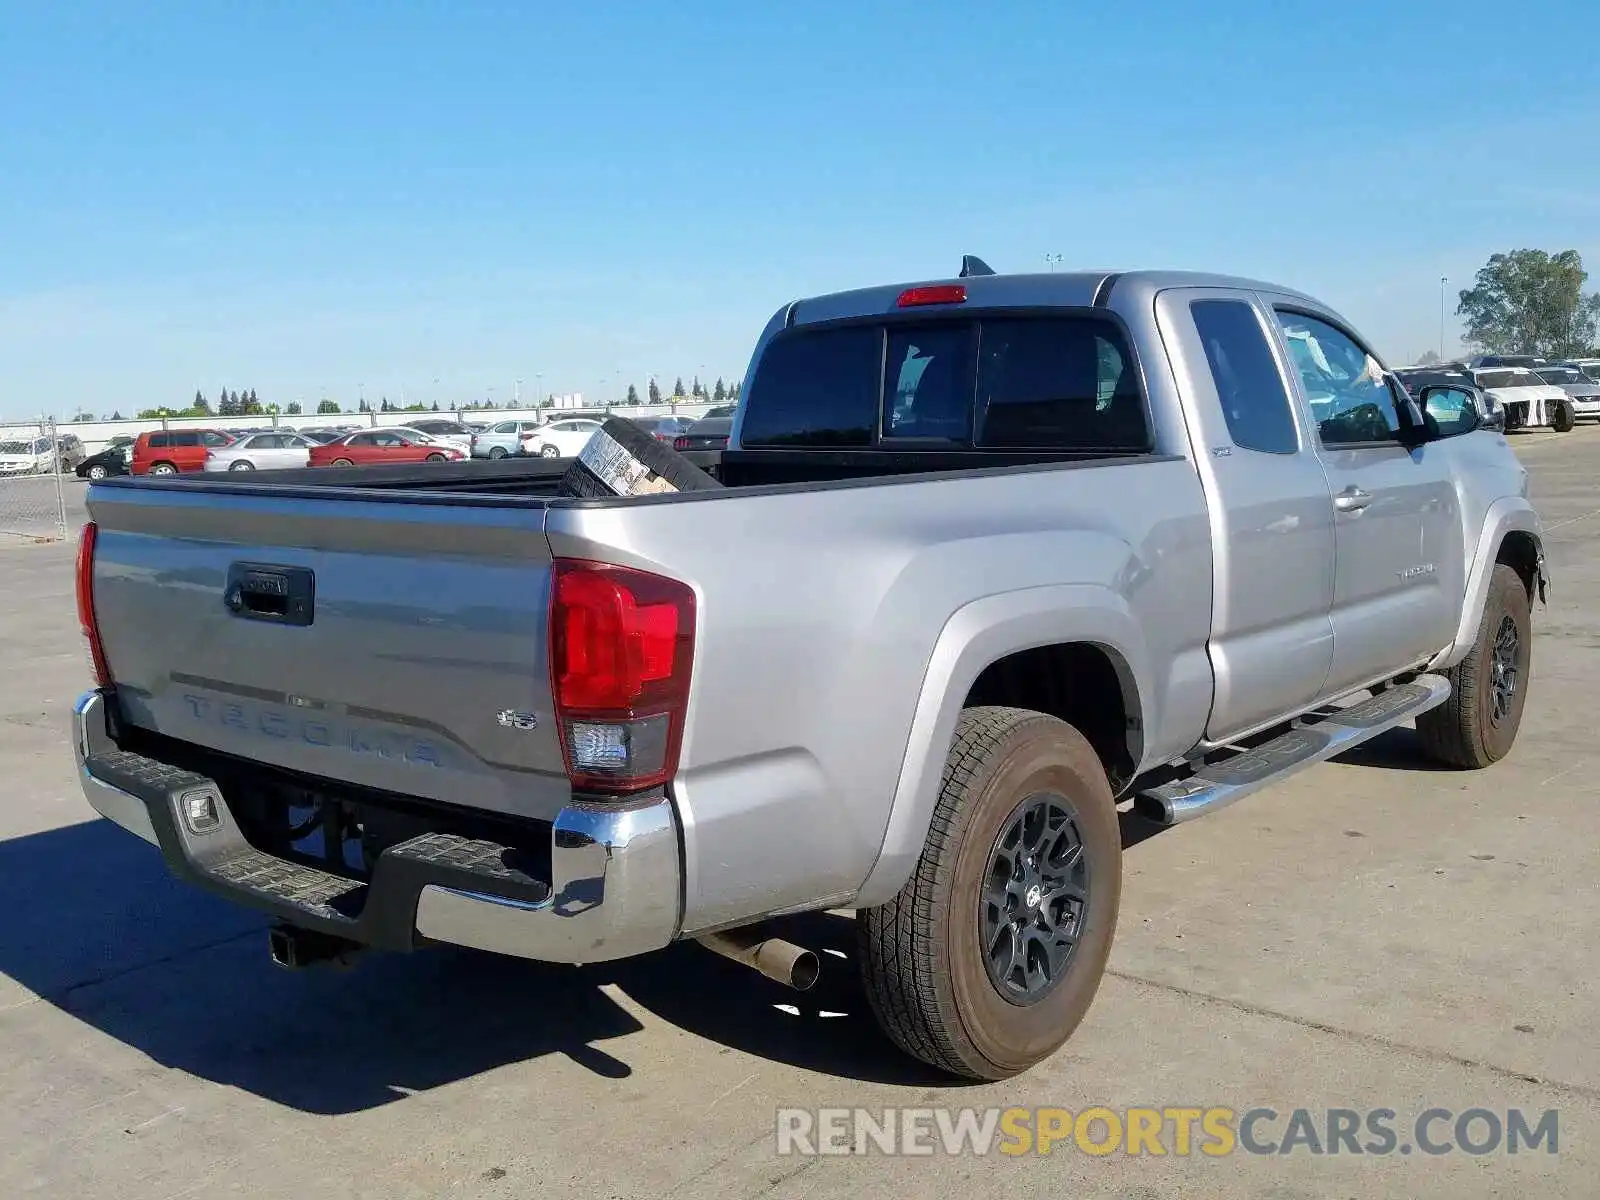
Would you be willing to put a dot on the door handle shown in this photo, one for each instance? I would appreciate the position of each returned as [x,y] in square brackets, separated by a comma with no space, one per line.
[1352,499]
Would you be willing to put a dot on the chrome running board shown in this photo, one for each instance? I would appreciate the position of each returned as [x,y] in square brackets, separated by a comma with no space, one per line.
[1318,736]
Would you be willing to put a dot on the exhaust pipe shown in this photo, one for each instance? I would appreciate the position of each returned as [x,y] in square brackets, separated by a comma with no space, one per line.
[775,958]
[294,948]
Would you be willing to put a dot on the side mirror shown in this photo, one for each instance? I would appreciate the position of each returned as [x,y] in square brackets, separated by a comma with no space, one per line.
[1455,410]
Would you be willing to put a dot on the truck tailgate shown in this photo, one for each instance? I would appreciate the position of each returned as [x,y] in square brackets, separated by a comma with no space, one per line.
[397,644]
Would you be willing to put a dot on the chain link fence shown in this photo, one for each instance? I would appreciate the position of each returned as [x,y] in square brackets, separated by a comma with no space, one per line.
[37,467]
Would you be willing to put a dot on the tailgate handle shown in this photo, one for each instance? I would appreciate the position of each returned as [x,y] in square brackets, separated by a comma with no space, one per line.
[264,592]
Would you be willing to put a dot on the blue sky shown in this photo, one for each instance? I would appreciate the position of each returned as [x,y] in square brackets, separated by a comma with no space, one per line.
[306,198]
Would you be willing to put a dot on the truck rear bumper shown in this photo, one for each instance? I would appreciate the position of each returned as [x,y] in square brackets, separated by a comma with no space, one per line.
[614,888]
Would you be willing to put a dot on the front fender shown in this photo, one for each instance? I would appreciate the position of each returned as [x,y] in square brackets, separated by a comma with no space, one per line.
[980,633]
[1509,514]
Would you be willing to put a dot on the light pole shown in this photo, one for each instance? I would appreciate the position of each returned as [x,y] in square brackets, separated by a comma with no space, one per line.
[538,386]
[1443,279]
[1052,261]
[516,395]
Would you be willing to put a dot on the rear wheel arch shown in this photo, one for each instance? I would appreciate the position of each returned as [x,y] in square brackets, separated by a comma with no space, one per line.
[1001,650]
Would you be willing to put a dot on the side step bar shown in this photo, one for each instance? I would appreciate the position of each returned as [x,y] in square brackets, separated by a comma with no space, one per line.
[1315,737]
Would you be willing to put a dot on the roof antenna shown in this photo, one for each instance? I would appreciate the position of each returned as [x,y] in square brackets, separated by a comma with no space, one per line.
[971,264]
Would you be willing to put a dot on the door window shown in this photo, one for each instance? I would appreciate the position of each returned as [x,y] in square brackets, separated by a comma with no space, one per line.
[1255,400]
[1351,399]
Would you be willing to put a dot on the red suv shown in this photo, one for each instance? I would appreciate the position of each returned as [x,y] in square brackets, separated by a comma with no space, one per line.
[168,451]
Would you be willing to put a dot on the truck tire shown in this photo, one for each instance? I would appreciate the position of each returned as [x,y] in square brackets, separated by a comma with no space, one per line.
[1489,687]
[1024,853]
[1564,417]
[624,459]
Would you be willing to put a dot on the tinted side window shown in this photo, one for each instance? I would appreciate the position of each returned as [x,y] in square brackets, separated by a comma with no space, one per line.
[928,388]
[1351,399]
[160,441]
[816,388]
[186,438]
[1058,383]
[1254,398]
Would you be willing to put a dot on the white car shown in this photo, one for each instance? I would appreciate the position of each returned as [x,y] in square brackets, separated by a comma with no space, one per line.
[279,450]
[34,456]
[502,439]
[559,439]
[1529,401]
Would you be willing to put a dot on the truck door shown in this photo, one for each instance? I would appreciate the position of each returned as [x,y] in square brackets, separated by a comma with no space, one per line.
[1272,537]
[1399,581]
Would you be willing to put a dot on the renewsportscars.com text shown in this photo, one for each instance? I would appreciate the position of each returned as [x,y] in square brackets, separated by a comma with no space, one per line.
[1214,1132]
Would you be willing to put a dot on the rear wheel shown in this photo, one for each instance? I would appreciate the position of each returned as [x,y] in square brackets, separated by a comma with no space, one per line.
[435,458]
[97,472]
[1478,724]
[1564,417]
[242,466]
[343,462]
[990,956]
[163,468]
[497,452]
[548,451]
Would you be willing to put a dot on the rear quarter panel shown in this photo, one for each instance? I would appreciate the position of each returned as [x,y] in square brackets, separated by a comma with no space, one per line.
[832,621]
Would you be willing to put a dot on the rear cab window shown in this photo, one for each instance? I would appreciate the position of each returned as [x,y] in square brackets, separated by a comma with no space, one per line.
[992,381]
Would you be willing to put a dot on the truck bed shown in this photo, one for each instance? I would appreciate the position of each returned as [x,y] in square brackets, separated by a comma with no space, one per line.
[519,480]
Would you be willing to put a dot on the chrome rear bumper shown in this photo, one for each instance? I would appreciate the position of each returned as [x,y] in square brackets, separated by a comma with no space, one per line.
[614,889]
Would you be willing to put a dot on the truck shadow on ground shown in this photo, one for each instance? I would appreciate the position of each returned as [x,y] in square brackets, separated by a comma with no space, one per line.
[97,928]
[100,931]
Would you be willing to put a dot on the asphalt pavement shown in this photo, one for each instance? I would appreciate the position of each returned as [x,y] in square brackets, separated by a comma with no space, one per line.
[1373,934]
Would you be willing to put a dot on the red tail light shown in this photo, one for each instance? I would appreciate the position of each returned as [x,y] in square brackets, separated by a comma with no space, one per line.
[680,443]
[944,293]
[86,617]
[621,644]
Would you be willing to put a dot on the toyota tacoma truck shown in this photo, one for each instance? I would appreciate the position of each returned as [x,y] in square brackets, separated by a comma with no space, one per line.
[992,557]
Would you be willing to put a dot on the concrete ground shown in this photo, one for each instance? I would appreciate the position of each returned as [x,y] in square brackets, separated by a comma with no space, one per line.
[1372,934]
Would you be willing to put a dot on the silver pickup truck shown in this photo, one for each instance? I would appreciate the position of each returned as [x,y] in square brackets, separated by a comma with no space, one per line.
[992,556]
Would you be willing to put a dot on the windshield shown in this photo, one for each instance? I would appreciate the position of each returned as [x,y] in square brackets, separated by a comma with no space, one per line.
[13,447]
[1561,375]
[1508,379]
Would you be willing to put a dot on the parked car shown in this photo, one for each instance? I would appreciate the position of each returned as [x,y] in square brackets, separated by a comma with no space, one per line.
[41,455]
[171,451]
[1529,401]
[113,460]
[322,436]
[1525,361]
[559,439]
[663,429]
[451,433]
[1589,366]
[710,432]
[279,450]
[502,439]
[991,555]
[1580,389]
[373,446]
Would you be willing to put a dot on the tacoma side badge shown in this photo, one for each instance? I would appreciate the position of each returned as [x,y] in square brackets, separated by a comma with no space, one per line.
[512,719]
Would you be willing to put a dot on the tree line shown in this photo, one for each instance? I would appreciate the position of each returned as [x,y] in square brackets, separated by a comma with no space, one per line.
[247,404]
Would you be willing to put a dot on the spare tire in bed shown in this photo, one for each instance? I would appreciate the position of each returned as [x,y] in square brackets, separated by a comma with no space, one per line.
[623,459]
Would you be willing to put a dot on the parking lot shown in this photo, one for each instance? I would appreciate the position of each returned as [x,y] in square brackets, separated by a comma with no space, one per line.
[1375,933]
